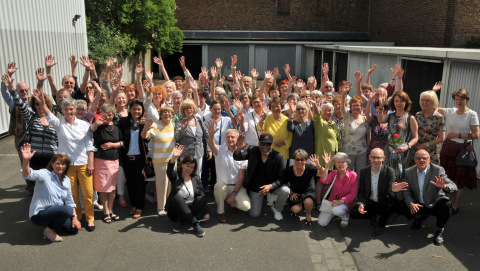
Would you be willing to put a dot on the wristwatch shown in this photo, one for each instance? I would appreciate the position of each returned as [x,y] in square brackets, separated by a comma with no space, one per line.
[235,193]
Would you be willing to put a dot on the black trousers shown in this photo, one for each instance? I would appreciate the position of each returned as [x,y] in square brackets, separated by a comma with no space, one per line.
[189,213]
[135,181]
[442,210]
[382,209]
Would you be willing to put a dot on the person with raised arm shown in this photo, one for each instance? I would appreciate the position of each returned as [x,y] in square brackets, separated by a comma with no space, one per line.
[159,62]
[187,202]
[264,174]
[75,141]
[302,129]
[230,173]
[378,137]
[52,205]
[248,126]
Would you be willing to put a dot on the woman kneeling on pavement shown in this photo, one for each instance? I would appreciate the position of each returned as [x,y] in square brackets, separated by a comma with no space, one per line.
[186,202]
[52,204]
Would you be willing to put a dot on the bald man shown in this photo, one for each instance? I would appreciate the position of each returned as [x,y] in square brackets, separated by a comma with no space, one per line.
[425,194]
[375,196]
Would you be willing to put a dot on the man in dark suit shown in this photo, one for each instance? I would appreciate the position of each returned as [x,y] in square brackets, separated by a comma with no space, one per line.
[425,195]
[375,196]
[264,174]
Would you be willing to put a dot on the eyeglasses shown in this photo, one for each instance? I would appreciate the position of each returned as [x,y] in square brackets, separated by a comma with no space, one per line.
[230,80]
[23,90]
[90,87]
[265,144]
[305,96]
[327,87]
[422,158]
[426,101]
[376,157]
[381,109]
[69,83]
[300,160]
[301,108]
[81,109]
[37,104]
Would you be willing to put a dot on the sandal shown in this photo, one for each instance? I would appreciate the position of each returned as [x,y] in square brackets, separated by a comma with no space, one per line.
[107,218]
[308,223]
[114,217]
[138,213]
[132,211]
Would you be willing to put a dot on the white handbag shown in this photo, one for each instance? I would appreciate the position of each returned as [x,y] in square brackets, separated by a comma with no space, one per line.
[326,204]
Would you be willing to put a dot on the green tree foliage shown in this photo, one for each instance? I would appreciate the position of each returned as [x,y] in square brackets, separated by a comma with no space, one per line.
[473,42]
[127,27]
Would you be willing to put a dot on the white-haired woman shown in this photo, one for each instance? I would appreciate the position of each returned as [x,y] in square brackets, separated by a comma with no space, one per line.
[343,192]
[431,127]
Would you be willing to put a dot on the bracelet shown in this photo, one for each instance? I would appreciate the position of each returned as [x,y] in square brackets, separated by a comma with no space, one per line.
[234,67]
[235,193]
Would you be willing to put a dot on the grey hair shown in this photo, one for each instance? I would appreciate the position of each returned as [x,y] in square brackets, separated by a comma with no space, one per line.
[383,85]
[68,101]
[293,95]
[341,155]
[302,152]
[219,90]
[107,108]
[237,133]
[330,83]
[82,102]
[170,83]
[177,92]
[327,104]
[316,93]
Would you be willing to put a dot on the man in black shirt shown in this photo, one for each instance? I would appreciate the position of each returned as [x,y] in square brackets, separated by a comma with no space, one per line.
[264,174]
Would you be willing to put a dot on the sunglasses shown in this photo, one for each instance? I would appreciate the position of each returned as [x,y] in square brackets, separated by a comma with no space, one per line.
[300,160]
[265,144]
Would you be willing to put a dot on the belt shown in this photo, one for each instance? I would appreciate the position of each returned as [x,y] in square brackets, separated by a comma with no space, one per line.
[133,157]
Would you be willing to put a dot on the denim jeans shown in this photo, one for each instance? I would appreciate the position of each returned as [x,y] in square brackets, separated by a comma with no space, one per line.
[56,218]
[282,194]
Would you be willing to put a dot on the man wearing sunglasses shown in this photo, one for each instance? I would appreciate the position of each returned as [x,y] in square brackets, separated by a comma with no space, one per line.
[264,174]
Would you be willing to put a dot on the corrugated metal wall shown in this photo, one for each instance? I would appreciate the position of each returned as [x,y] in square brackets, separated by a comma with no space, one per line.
[225,52]
[32,29]
[268,57]
[357,62]
[382,73]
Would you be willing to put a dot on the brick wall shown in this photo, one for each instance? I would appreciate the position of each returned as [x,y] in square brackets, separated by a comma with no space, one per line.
[466,21]
[280,15]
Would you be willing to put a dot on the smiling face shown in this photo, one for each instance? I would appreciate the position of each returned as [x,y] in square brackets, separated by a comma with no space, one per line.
[245,102]
[166,116]
[188,112]
[108,117]
[130,94]
[177,100]
[460,102]
[81,111]
[231,139]
[327,113]
[422,159]
[69,112]
[178,84]
[121,100]
[356,108]
[123,86]
[265,148]
[216,110]
[376,157]
[157,97]
[187,168]
[23,90]
[68,83]
[341,164]
[62,95]
[276,108]
[299,161]
[399,104]
[136,111]
[58,167]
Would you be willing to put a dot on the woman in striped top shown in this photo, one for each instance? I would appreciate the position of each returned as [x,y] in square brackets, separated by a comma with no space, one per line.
[162,132]
[43,136]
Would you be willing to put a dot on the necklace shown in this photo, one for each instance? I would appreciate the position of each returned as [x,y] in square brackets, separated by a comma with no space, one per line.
[106,128]
[295,171]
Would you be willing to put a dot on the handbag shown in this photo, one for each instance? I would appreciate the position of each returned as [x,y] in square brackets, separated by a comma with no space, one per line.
[27,136]
[147,171]
[467,156]
[326,204]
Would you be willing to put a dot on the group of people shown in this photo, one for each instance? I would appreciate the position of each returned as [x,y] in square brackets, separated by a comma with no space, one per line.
[291,141]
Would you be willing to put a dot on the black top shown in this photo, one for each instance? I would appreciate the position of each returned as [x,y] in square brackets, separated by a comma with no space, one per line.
[104,134]
[177,183]
[301,184]
[303,136]
[260,176]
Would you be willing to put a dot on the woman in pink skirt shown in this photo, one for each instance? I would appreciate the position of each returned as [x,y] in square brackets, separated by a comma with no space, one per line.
[106,137]
[462,124]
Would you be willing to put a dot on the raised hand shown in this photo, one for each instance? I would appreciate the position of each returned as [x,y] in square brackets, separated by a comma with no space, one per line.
[178,151]
[240,117]
[358,77]
[314,161]
[73,61]
[115,84]
[192,83]
[84,61]
[220,82]
[149,74]
[400,73]
[12,69]
[439,182]
[234,60]
[8,81]
[184,124]
[219,64]
[50,61]
[41,74]
[374,66]
[148,124]
[139,70]
[237,104]
[213,72]
[254,74]
[211,127]
[100,120]
[325,69]
[91,96]
[97,87]
[182,62]
[158,61]
[268,75]
[264,110]
[147,87]
[109,63]
[38,96]
[437,86]
[27,154]
[241,142]
[394,71]
[327,157]
[397,187]
[93,70]
[119,70]
[276,73]
[286,68]
[347,86]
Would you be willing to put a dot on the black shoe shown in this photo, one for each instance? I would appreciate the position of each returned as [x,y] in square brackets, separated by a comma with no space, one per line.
[438,238]
[373,221]
[178,226]
[379,231]
[198,230]
[417,224]
[455,211]
[90,228]
[292,214]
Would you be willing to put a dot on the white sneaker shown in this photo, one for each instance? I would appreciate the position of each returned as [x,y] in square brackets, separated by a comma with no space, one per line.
[278,215]
[98,206]
[271,199]
[344,222]
[161,212]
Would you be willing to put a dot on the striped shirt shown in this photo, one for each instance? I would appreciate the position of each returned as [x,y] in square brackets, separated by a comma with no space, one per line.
[42,138]
[163,141]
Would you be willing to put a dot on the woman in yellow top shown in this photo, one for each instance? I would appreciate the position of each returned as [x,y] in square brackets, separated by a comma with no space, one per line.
[162,132]
[276,125]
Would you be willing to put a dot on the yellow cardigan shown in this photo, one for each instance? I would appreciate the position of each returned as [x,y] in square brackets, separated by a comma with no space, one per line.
[278,129]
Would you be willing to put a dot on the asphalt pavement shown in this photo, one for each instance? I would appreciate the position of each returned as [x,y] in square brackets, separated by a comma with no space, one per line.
[243,243]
